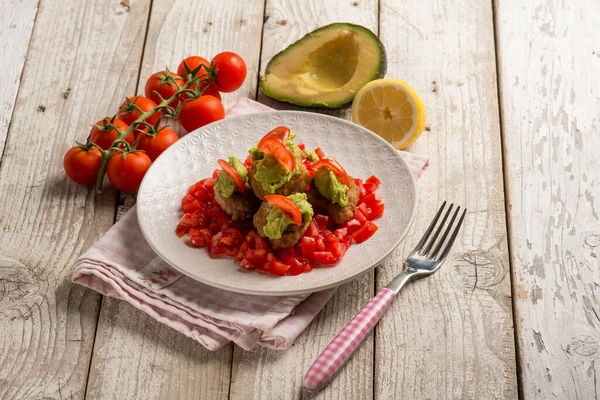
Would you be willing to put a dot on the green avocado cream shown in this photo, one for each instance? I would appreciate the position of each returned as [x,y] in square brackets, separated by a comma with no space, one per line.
[277,221]
[312,156]
[225,184]
[269,172]
[330,186]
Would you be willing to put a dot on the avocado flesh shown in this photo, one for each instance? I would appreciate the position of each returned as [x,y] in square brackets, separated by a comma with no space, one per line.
[326,67]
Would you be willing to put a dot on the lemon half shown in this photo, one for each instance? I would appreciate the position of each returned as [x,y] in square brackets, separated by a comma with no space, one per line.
[391,109]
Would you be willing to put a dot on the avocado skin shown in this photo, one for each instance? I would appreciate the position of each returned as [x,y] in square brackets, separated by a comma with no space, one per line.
[382,67]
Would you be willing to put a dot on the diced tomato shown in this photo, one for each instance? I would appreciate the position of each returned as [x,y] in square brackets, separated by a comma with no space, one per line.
[309,245]
[295,268]
[190,204]
[319,153]
[237,179]
[275,147]
[248,163]
[360,216]
[256,242]
[364,233]
[341,233]
[373,180]
[372,200]
[361,187]
[313,229]
[287,206]
[321,221]
[200,237]
[325,257]
[330,237]
[286,254]
[364,209]
[281,132]
[301,146]
[247,265]
[353,225]
[320,244]
[376,211]
[257,256]
[369,187]
[334,166]
[338,249]
[216,173]
[242,252]
[181,230]
[278,268]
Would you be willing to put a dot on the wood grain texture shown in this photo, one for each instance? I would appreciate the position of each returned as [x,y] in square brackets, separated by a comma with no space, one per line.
[134,355]
[47,324]
[450,335]
[549,58]
[16,25]
[270,374]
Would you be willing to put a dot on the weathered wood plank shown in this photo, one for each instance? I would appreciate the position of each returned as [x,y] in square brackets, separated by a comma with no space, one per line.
[270,374]
[450,335]
[47,324]
[16,25]
[548,60]
[160,362]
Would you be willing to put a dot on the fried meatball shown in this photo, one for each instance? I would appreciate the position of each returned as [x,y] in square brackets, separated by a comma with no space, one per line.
[291,235]
[338,213]
[297,183]
[239,206]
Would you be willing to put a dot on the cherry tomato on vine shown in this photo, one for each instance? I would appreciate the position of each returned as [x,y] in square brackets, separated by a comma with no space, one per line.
[126,170]
[231,71]
[201,111]
[128,114]
[192,63]
[163,84]
[154,146]
[105,135]
[82,165]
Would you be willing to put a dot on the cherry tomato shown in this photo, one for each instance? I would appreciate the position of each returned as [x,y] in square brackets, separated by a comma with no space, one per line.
[154,146]
[231,71]
[287,206]
[337,169]
[192,63]
[275,147]
[189,65]
[105,135]
[281,132]
[319,153]
[201,111]
[129,114]
[229,170]
[161,83]
[126,170]
[82,165]
[364,233]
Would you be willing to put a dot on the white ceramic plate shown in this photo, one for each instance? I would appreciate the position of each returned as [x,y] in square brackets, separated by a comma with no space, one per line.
[195,157]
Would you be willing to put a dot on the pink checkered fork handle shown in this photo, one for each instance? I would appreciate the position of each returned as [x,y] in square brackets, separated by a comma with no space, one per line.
[426,258]
[343,346]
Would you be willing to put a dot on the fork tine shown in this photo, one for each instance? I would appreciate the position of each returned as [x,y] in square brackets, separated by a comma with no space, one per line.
[437,231]
[453,237]
[440,242]
[430,228]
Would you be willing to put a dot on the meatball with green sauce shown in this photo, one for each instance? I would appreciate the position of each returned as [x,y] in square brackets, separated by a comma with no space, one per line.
[268,176]
[236,204]
[272,223]
[332,197]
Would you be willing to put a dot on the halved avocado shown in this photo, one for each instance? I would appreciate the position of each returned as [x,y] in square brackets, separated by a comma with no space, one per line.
[326,67]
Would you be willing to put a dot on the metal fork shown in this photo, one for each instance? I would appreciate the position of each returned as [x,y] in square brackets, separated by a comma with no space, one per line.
[426,258]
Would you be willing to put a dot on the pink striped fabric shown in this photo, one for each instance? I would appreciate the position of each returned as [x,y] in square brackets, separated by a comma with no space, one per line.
[122,265]
[343,346]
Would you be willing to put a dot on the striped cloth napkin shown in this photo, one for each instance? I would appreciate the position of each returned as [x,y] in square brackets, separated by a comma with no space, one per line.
[122,265]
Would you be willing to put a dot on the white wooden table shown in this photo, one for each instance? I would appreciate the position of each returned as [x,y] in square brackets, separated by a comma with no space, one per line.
[512,91]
